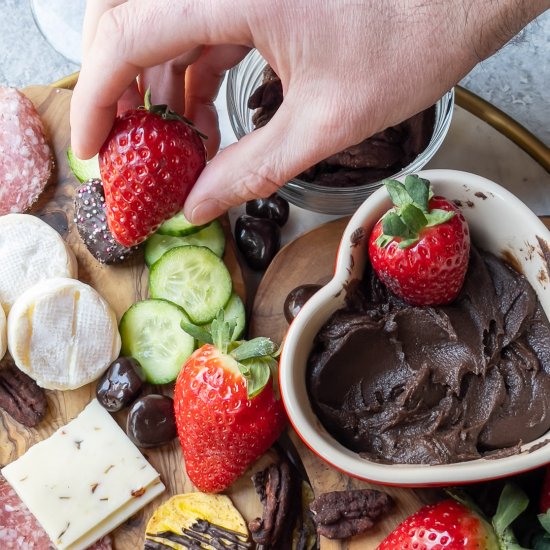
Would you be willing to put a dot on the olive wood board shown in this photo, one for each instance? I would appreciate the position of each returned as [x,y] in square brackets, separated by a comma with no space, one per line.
[310,259]
[121,286]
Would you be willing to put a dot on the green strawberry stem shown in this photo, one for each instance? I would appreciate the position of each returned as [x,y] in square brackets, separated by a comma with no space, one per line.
[411,213]
[166,113]
[256,358]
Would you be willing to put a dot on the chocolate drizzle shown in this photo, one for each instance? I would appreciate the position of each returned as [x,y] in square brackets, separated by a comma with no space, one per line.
[202,534]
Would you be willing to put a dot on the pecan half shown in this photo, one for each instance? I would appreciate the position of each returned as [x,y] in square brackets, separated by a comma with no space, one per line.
[20,395]
[342,514]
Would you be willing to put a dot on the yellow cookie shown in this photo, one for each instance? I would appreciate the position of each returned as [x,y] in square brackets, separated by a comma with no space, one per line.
[193,518]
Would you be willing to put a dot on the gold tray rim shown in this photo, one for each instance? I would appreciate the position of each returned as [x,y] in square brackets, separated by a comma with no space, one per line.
[469,101]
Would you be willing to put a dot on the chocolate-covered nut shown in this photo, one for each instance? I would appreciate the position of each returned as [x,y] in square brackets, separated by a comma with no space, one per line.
[258,240]
[120,384]
[151,421]
[273,208]
[296,299]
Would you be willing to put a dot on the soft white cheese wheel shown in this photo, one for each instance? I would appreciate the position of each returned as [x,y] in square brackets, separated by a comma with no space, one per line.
[3,335]
[30,251]
[62,333]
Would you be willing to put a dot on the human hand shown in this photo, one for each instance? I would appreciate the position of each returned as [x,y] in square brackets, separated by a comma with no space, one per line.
[348,70]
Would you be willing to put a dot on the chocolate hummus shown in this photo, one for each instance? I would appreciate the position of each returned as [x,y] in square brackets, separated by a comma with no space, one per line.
[435,385]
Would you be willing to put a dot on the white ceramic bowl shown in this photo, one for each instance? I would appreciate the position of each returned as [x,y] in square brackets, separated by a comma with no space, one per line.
[499,223]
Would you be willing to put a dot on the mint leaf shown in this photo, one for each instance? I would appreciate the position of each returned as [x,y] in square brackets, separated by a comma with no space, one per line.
[414,218]
[419,191]
[394,226]
[257,373]
[397,192]
[512,502]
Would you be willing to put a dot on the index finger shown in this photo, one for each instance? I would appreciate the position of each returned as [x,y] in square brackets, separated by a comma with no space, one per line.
[135,35]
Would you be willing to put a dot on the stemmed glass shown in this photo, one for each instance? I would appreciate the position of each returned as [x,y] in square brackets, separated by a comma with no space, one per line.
[60,22]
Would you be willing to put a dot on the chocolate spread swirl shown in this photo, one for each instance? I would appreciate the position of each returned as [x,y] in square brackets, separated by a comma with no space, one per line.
[435,385]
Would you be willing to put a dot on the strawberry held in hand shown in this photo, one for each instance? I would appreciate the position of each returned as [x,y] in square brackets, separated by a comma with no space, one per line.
[148,164]
[227,411]
[420,248]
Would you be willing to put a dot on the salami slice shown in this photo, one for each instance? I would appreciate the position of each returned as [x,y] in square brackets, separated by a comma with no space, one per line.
[19,529]
[25,156]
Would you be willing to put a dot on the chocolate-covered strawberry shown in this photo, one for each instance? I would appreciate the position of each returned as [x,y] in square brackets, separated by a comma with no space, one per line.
[91,222]
[421,247]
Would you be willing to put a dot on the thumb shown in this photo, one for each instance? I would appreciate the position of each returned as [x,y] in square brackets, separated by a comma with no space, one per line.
[261,162]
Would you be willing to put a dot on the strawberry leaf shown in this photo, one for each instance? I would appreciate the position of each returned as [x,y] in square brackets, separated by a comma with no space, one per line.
[436,217]
[413,218]
[222,331]
[196,332]
[419,191]
[257,347]
[544,520]
[512,502]
[398,193]
[393,225]
[257,372]
[383,240]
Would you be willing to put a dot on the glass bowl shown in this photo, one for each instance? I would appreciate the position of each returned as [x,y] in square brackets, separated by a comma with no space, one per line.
[244,78]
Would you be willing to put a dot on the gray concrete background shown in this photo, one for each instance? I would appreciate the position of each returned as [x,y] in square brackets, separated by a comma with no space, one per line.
[516,79]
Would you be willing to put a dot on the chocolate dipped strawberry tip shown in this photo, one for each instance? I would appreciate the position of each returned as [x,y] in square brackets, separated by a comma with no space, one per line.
[411,212]
[256,358]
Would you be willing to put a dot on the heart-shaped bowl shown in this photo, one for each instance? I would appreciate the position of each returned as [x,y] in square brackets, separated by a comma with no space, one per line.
[499,223]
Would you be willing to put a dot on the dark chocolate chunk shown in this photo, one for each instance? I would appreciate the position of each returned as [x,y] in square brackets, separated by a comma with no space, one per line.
[342,514]
[20,395]
[91,222]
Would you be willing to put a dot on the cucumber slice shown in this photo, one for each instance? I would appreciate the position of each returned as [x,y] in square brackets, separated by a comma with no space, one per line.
[178,226]
[212,236]
[194,278]
[83,170]
[234,310]
[151,333]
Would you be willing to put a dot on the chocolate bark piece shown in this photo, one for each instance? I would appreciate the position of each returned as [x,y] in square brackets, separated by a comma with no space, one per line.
[342,514]
[20,395]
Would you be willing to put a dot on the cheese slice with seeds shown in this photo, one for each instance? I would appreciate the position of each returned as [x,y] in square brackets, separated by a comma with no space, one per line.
[30,251]
[62,333]
[85,480]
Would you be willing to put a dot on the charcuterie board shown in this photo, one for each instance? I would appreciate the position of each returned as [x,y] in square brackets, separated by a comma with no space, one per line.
[121,286]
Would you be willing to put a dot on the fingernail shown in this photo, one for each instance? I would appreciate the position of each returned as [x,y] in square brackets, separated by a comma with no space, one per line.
[205,212]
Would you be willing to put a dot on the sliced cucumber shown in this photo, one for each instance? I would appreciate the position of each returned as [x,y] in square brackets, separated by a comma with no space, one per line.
[194,278]
[212,236]
[178,226]
[234,311]
[83,170]
[151,333]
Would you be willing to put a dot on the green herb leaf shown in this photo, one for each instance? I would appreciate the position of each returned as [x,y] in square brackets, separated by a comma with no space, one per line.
[437,217]
[512,502]
[397,192]
[199,333]
[419,190]
[413,217]
[394,226]
[257,347]
[257,373]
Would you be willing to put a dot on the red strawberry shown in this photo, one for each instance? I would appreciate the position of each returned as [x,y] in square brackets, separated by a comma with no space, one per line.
[447,525]
[148,164]
[227,412]
[420,248]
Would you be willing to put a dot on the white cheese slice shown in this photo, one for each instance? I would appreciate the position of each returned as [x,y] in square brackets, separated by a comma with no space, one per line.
[62,333]
[3,335]
[30,251]
[85,480]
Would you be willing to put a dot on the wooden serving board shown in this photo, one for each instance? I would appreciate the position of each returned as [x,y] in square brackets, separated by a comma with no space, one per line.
[121,286]
[310,260]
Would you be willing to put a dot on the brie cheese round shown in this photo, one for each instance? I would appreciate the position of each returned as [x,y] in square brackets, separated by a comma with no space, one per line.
[3,335]
[62,333]
[30,251]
